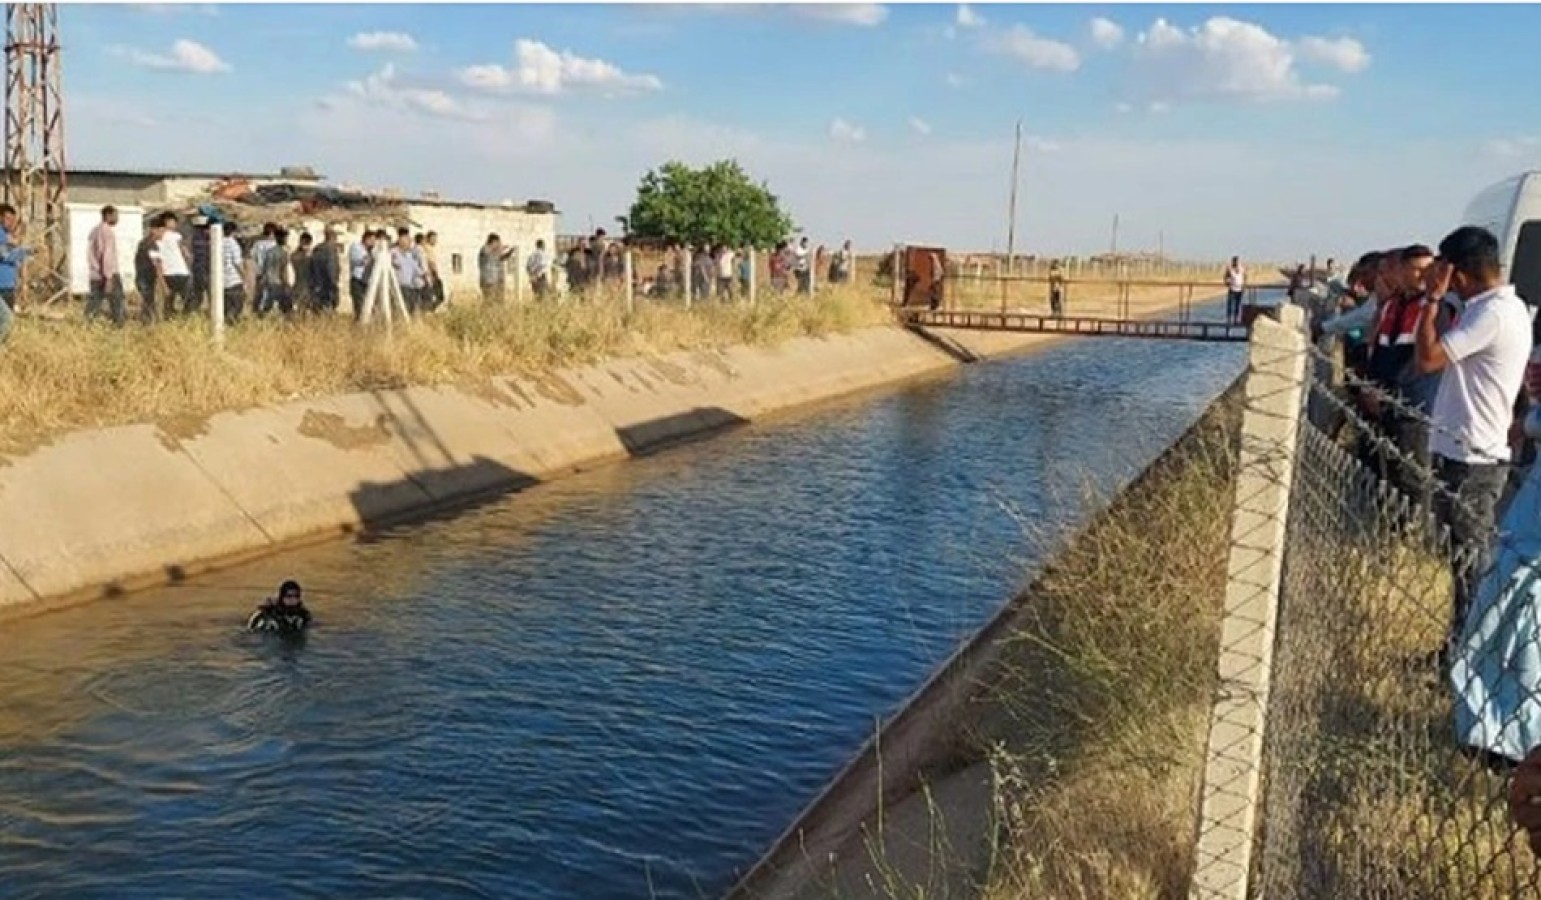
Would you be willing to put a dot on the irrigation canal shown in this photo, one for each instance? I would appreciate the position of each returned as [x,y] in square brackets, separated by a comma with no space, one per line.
[621,685]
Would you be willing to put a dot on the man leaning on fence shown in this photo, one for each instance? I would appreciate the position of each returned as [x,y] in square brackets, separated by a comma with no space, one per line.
[1482,364]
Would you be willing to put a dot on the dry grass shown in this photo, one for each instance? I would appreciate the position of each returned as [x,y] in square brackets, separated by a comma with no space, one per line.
[1371,797]
[67,375]
[1095,717]
[1091,715]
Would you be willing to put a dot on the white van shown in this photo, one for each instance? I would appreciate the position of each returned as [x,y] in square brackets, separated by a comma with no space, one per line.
[1511,209]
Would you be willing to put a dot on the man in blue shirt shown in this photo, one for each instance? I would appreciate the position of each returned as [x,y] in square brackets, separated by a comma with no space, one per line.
[11,257]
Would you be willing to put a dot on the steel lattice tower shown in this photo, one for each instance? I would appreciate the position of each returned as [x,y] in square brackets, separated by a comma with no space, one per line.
[34,147]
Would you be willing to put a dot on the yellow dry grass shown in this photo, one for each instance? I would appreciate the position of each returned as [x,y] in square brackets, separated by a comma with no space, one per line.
[66,375]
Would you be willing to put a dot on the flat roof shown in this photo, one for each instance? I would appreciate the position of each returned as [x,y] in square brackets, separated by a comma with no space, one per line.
[172,173]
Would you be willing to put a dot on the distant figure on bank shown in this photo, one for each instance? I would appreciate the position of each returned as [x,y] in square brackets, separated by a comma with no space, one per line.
[102,268]
[287,614]
[176,268]
[360,256]
[300,265]
[490,268]
[538,268]
[11,256]
[231,265]
[1235,283]
[1056,289]
[843,265]
[325,272]
[435,295]
[147,269]
[800,267]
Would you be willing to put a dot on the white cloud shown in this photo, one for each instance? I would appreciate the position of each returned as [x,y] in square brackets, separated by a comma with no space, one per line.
[1508,148]
[864,15]
[1344,54]
[1020,43]
[185,56]
[538,69]
[968,18]
[844,132]
[202,9]
[1106,33]
[1222,59]
[386,89]
[391,41]
[1123,107]
[954,80]
[920,126]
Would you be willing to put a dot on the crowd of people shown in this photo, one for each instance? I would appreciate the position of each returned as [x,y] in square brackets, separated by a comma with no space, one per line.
[706,270]
[289,273]
[1438,346]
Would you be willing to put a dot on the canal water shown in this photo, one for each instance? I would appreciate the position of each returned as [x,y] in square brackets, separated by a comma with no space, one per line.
[625,684]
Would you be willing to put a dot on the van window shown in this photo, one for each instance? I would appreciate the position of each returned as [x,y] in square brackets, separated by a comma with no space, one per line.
[1525,270]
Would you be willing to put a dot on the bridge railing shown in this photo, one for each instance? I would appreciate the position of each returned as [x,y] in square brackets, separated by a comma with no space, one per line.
[1117,298]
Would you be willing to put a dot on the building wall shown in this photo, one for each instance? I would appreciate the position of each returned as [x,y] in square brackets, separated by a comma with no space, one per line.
[464,229]
[83,217]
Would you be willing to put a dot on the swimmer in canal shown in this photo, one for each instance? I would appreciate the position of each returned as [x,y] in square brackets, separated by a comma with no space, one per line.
[287,614]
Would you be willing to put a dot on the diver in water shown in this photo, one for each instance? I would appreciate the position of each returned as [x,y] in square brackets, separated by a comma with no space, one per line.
[286,614]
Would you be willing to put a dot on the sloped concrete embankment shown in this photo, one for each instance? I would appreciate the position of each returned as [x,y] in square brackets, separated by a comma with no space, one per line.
[101,512]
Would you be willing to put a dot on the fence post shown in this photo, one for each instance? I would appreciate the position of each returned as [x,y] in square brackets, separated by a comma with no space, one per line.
[631,294]
[217,282]
[1233,764]
[895,286]
[690,275]
[513,259]
[754,274]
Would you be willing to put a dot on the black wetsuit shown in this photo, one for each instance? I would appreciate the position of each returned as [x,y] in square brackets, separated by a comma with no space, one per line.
[271,616]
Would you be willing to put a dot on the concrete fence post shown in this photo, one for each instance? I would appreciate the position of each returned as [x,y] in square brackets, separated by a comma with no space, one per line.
[690,275]
[513,259]
[626,270]
[1233,766]
[754,275]
[896,282]
[217,283]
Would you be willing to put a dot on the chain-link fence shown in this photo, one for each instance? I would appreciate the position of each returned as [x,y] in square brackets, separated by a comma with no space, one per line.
[1362,729]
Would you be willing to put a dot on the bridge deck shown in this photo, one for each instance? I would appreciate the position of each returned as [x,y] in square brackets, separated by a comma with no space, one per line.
[1185,330]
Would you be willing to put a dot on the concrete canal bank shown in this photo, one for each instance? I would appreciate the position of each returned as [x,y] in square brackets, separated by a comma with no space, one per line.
[101,512]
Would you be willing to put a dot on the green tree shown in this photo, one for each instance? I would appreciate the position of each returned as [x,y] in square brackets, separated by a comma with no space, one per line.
[714,204]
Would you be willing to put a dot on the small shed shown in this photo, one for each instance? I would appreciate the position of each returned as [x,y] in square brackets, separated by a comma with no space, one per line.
[925,275]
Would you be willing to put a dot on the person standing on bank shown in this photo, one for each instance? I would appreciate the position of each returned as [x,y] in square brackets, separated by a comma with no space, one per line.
[491,268]
[12,255]
[175,269]
[147,269]
[1235,283]
[538,268]
[1482,364]
[102,268]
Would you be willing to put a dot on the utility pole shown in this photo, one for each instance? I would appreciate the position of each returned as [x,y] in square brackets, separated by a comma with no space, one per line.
[34,147]
[1011,223]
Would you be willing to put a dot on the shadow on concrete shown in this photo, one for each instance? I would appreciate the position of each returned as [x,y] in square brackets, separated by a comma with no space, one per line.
[945,344]
[681,428]
[458,488]
[451,490]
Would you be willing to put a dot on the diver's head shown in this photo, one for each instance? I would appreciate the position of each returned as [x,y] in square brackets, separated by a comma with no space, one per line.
[289,593]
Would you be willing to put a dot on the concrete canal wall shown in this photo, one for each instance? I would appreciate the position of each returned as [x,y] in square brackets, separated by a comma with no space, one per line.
[97,513]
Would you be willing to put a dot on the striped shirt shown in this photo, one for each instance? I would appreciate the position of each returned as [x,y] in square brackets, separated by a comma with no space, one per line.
[232,263]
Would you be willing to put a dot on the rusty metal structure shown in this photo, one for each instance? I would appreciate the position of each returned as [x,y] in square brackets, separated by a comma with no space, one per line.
[34,148]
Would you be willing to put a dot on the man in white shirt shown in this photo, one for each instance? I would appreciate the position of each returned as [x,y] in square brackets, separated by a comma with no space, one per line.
[174,268]
[1482,360]
[1235,283]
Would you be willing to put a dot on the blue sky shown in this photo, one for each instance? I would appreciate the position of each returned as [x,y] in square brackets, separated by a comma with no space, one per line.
[1272,131]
